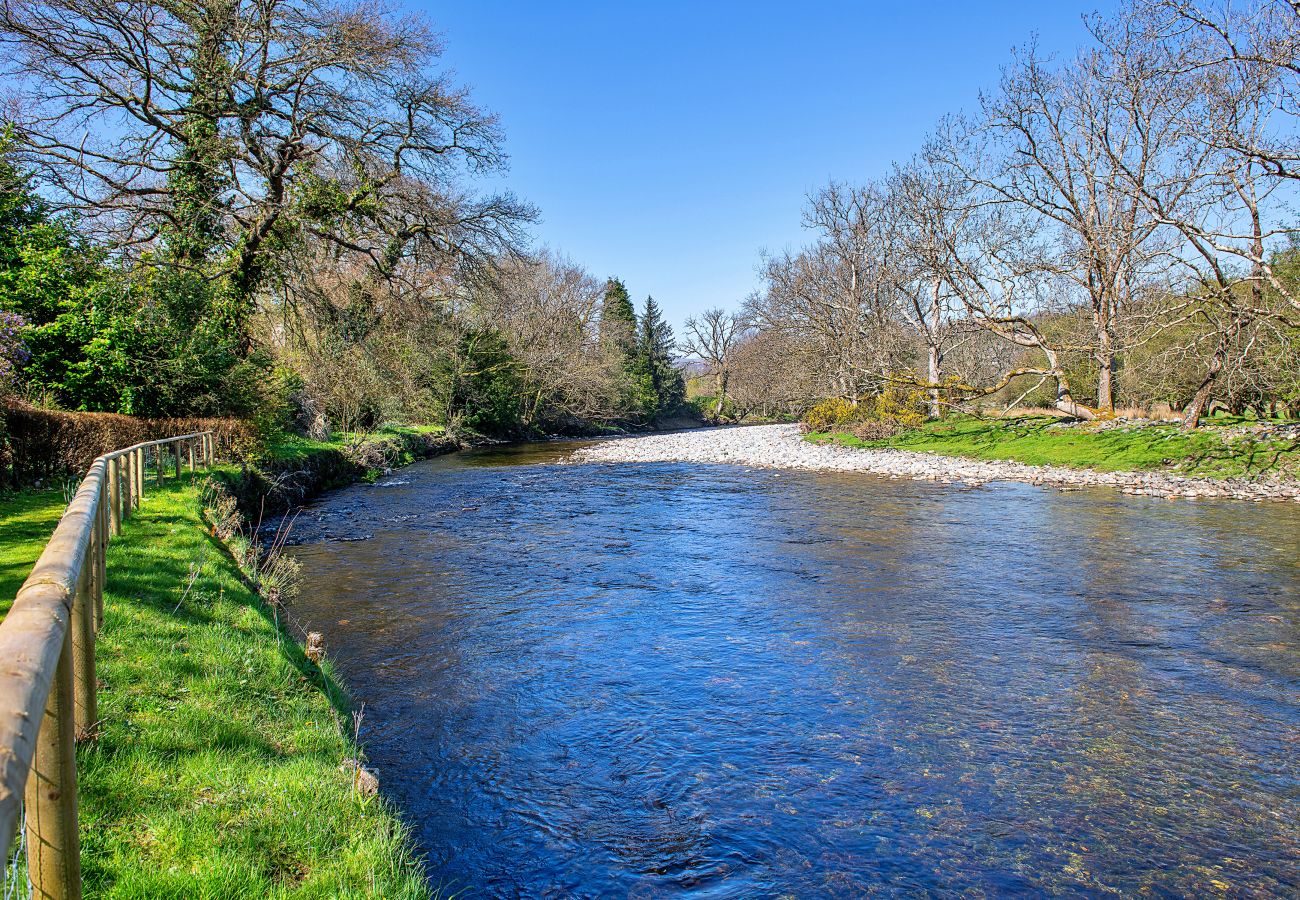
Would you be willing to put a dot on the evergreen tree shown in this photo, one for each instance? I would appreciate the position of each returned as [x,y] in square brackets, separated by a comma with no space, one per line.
[618,318]
[663,389]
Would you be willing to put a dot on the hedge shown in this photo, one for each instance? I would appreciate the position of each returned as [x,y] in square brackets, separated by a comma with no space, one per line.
[43,444]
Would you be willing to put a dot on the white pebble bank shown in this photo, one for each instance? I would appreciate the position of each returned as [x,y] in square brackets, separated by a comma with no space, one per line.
[782,447]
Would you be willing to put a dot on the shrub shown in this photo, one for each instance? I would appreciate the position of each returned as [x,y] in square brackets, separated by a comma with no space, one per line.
[829,415]
[875,430]
[46,443]
[900,404]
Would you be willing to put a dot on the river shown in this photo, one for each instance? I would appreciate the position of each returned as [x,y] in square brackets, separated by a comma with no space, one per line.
[599,680]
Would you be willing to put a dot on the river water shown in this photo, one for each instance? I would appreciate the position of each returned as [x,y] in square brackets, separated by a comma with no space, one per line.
[665,679]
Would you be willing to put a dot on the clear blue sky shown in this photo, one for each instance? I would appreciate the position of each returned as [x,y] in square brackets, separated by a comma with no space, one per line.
[669,142]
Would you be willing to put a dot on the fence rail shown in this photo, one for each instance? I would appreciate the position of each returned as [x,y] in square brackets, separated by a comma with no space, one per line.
[48,691]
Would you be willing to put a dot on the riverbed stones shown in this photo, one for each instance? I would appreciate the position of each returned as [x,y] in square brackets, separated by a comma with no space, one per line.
[783,447]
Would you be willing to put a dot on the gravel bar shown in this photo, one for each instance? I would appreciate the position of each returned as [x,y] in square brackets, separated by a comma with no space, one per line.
[782,447]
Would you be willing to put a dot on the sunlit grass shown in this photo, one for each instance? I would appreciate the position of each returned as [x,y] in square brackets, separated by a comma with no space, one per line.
[216,771]
[288,446]
[1209,451]
[27,519]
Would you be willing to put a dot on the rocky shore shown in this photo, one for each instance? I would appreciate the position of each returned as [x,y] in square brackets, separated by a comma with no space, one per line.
[782,447]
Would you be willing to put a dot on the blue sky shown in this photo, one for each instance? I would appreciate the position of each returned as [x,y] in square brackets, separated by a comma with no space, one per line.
[668,142]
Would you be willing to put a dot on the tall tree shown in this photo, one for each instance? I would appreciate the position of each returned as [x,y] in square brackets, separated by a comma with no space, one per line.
[714,337]
[663,388]
[232,129]
[618,318]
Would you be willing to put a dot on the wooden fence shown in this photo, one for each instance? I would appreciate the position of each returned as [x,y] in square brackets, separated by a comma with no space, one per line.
[47,660]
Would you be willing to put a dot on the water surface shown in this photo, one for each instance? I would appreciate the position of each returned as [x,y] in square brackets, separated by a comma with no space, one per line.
[666,679]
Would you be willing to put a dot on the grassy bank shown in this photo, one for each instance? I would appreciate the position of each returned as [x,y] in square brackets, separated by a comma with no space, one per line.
[1220,451]
[292,469]
[27,520]
[216,770]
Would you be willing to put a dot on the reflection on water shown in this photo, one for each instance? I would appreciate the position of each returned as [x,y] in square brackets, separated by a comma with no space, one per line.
[588,680]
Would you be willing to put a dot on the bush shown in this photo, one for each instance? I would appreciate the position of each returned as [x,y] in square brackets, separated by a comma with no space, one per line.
[829,415]
[44,443]
[876,430]
[899,404]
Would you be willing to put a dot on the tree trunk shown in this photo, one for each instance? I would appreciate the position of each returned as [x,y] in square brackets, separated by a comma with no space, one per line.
[1200,401]
[720,384]
[1105,374]
[936,375]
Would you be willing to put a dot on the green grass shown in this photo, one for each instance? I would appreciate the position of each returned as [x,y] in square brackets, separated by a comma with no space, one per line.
[288,446]
[27,520]
[1209,451]
[216,772]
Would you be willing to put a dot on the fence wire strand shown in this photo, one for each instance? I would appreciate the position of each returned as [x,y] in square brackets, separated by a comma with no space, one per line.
[16,884]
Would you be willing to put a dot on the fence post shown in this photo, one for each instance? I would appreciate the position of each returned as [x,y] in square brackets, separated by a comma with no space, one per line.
[128,490]
[83,645]
[101,558]
[115,495]
[139,476]
[190,446]
[176,451]
[50,799]
[158,455]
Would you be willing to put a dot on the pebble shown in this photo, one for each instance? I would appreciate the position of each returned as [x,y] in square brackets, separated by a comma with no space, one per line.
[783,447]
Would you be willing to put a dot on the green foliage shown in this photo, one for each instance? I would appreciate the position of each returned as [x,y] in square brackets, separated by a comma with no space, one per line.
[148,339]
[480,386]
[658,388]
[618,318]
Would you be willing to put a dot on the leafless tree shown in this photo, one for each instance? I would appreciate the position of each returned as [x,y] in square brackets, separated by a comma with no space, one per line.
[1058,133]
[994,259]
[1215,81]
[547,308]
[712,337]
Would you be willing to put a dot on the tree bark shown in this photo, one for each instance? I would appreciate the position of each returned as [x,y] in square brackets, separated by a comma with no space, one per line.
[936,375]
[1105,373]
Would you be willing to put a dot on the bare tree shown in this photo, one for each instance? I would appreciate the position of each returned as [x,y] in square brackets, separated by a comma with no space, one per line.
[548,308]
[225,129]
[1060,133]
[996,262]
[713,338]
[1215,81]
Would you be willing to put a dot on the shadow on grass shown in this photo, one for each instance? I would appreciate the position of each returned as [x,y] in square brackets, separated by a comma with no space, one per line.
[159,585]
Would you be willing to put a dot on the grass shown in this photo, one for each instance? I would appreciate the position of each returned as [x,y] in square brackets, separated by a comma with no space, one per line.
[1038,440]
[288,446]
[216,770]
[27,520]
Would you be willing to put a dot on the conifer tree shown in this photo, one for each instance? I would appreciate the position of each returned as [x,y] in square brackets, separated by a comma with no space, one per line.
[663,388]
[618,318]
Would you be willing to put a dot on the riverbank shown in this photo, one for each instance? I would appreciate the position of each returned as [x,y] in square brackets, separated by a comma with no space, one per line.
[292,469]
[215,771]
[783,447]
